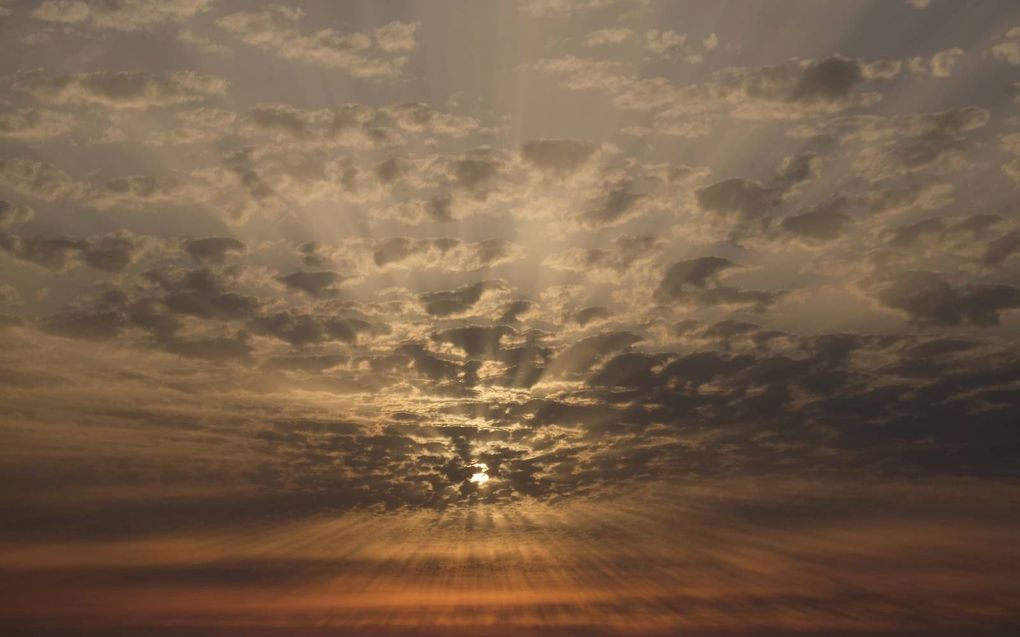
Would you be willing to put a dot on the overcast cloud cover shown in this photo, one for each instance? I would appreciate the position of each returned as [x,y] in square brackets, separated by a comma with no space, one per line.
[550,317]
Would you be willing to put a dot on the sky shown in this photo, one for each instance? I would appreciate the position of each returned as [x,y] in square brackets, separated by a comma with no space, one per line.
[538,318]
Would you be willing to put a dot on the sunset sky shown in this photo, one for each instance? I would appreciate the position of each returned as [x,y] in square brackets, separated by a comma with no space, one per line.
[510,318]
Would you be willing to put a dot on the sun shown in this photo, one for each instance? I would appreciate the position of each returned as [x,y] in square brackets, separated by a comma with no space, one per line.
[481,477]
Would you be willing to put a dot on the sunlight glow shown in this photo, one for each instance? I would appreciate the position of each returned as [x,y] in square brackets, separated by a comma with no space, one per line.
[481,477]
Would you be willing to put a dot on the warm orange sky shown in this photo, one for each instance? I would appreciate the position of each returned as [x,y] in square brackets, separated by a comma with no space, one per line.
[537,317]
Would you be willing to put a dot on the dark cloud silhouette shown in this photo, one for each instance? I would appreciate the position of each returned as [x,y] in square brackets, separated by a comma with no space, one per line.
[747,206]
[214,249]
[823,223]
[926,297]
[557,156]
[202,293]
[315,283]
[697,281]
[305,329]
[458,301]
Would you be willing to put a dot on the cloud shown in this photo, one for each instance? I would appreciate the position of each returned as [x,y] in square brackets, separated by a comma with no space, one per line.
[365,54]
[557,156]
[56,253]
[901,199]
[999,250]
[923,142]
[626,254]
[147,193]
[457,301]
[565,8]
[9,294]
[203,44]
[102,320]
[220,349]
[591,314]
[443,253]
[579,358]
[212,249]
[794,90]
[430,279]
[196,126]
[940,65]
[603,37]
[306,329]
[476,341]
[38,179]
[745,207]
[1012,169]
[112,253]
[696,281]
[1008,49]
[693,273]
[122,15]
[120,89]
[319,283]
[359,125]
[823,223]
[616,204]
[13,214]
[886,147]
[665,44]
[927,298]
[202,293]
[34,124]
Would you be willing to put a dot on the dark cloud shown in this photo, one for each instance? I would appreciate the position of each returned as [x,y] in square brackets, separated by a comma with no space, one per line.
[913,234]
[315,283]
[51,253]
[111,254]
[458,301]
[557,156]
[747,206]
[825,222]
[697,281]
[476,341]
[513,311]
[625,253]
[830,79]
[1001,249]
[390,170]
[213,249]
[305,329]
[591,314]
[926,297]
[202,293]
[102,320]
[617,204]
[581,356]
